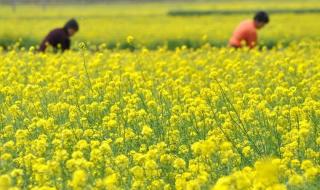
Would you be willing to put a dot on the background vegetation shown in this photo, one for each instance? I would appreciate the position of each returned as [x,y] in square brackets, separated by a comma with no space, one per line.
[152,26]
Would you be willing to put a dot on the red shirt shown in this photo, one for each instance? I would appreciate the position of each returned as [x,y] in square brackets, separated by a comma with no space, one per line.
[247,32]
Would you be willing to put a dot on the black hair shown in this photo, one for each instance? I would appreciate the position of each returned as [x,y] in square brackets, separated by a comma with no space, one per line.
[72,23]
[261,16]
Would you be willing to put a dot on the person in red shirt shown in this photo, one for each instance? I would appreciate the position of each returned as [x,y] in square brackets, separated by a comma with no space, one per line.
[246,32]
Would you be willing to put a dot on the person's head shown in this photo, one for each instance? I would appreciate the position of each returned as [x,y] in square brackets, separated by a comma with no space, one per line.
[71,27]
[261,18]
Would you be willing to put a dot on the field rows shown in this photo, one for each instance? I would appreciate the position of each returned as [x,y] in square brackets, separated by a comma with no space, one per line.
[151,26]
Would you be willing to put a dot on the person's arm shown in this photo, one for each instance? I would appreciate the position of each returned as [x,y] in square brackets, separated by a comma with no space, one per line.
[252,40]
[50,39]
[65,45]
[43,46]
[44,43]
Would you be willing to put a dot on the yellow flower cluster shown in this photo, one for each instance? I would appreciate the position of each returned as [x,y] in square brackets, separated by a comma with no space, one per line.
[183,119]
[268,174]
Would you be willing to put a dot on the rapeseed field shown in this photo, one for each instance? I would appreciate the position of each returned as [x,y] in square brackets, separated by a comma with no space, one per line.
[211,118]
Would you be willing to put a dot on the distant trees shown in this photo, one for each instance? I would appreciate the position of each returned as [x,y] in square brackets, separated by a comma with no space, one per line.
[45,2]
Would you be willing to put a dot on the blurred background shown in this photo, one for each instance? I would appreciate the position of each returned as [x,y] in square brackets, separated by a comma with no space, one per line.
[155,23]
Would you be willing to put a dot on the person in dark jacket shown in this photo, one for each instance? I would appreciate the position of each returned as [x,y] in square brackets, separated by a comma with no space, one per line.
[60,38]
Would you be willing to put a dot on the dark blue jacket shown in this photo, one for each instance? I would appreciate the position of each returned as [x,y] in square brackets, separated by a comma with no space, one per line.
[56,37]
